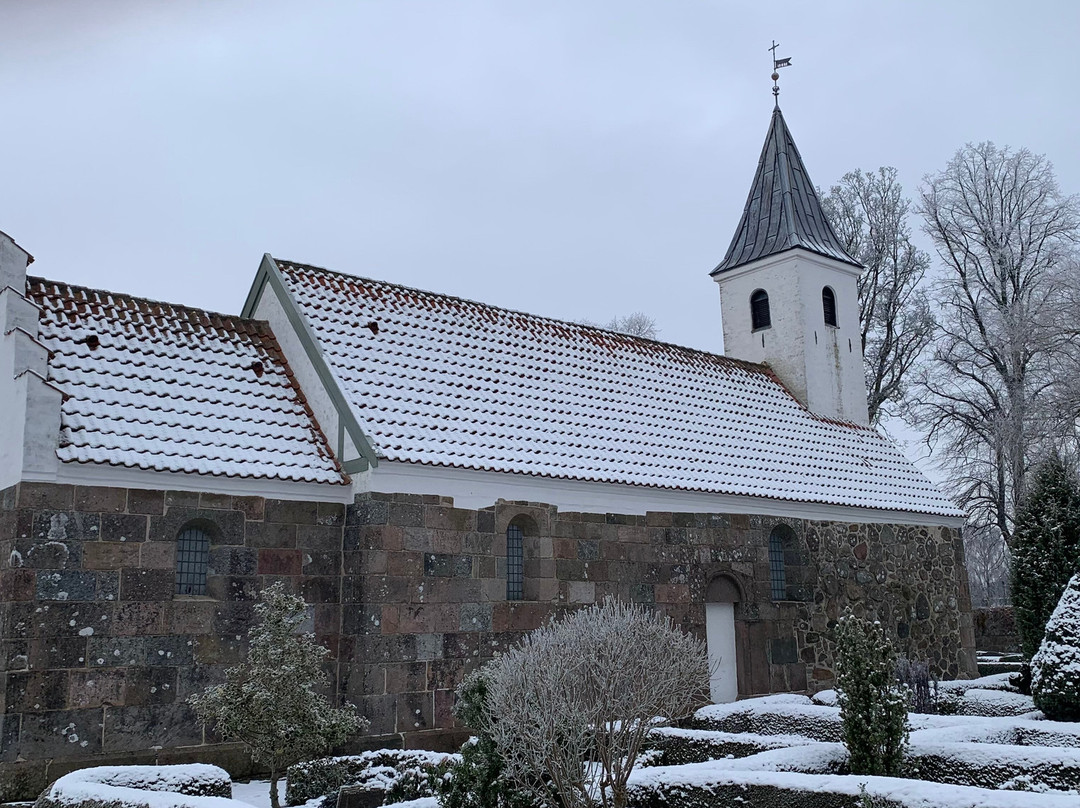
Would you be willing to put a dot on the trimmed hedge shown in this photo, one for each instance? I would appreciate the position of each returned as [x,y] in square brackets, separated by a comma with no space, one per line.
[772,716]
[669,746]
[396,773]
[997,766]
[194,785]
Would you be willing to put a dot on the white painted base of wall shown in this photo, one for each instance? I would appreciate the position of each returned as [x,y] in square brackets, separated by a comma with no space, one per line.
[720,636]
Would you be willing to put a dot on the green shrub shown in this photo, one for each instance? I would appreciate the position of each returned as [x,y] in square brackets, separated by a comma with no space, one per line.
[397,773]
[873,707]
[477,779]
[1045,550]
[1055,670]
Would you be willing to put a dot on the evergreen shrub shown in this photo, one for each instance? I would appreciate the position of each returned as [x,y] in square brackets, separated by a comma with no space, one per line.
[1055,669]
[1045,550]
[873,706]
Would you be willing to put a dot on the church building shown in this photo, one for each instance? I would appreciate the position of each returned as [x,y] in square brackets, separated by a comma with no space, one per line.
[436,476]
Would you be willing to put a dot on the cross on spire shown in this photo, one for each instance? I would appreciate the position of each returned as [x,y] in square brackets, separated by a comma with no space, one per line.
[777,64]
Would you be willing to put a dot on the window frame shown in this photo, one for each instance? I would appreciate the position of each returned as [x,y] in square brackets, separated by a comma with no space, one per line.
[515,562]
[757,298]
[192,565]
[829,296]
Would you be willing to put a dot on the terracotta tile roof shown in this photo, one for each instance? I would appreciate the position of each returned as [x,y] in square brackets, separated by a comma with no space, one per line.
[169,388]
[440,380]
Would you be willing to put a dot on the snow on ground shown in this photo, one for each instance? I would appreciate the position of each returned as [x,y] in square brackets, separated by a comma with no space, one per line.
[257,792]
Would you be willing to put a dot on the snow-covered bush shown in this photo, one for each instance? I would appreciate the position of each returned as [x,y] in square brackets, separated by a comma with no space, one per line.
[670,746]
[576,698]
[195,785]
[271,702]
[873,708]
[1045,550]
[784,714]
[478,778]
[396,774]
[1055,670]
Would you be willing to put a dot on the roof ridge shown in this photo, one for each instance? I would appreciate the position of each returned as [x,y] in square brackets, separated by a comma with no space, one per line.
[753,366]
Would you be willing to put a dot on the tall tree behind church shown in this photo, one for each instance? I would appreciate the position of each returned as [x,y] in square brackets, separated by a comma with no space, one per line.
[1006,236]
[869,213]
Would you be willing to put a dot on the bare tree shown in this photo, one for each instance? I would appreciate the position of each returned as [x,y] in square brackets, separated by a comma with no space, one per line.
[575,699]
[637,324]
[1006,236]
[987,558]
[869,213]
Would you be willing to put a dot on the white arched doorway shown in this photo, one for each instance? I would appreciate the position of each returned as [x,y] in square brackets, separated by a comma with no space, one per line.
[720,599]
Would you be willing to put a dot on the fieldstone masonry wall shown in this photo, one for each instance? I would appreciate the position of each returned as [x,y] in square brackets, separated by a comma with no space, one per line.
[409,593]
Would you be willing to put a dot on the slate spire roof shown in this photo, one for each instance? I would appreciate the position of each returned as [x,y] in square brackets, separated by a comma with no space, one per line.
[782,211]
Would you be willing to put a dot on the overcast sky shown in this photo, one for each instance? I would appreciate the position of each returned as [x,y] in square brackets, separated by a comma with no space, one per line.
[568,158]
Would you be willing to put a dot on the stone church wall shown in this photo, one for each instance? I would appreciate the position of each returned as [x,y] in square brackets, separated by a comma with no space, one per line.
[409,593]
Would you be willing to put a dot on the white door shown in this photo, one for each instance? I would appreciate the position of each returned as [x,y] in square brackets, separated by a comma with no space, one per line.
[720,635]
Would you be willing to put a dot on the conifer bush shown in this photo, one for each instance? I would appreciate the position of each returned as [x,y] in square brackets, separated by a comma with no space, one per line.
[1045,550]
[271,701]
[1055,668]
[873,706]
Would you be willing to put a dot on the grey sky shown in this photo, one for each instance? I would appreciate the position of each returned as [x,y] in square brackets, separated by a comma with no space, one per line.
[572,159]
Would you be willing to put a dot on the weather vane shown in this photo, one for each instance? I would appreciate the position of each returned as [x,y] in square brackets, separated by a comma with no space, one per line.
[776,65]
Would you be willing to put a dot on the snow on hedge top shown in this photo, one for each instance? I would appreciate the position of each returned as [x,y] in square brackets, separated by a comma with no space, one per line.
[439,380]
[144,786]
[170,388]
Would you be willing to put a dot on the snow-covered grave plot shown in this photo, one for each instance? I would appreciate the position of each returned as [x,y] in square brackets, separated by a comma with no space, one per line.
[194,785]
[995,751]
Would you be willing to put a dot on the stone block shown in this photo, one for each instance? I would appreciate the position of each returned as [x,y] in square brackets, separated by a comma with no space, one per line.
[415,711]
[279,561]
[107,586]
[253,508]
[331,514]
[100,499]
[232,560]
[284,510]
[783,651]
[320,562]
[406,677]
[320,589]
[56,652]
[22,781]
[159,555]
[139,618]
[96,688]
[18,584]
[189,616]
[224,527]
[326,538]
[444,518]
[381,711]
[48,496]
[232,587]
[151,503]
[65,526]
[406,515]
[581,592]
[124,526]
[137,728]
[181,499]
[475,617]
[109,555]
[215,502]
[60,734]
[153,584]
[271,535]
[35,691]
[147,686]
[367,512]
[75,585]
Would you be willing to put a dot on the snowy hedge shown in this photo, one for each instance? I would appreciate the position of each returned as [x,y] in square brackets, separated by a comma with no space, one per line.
[395,773]
[772,715]
[194,785]
[998,766]
[707,785]
[669,746]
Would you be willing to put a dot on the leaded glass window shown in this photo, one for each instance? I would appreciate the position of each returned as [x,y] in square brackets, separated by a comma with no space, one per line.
[515,563]
[192,559]
[776,566]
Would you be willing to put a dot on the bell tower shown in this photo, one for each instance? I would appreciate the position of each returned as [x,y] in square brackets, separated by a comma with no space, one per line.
[789,289]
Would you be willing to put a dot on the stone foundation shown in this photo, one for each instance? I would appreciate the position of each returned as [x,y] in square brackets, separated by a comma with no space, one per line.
[409,593]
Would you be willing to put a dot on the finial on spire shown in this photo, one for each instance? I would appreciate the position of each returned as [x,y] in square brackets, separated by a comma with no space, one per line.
[776,65]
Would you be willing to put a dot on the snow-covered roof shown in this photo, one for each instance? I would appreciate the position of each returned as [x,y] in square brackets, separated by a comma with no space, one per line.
[169,388]
[439,380]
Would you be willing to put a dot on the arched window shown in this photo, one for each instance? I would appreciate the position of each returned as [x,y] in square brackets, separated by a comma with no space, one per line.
[515,563]
[828,304]
[759,310]
[777,573]
[192,559]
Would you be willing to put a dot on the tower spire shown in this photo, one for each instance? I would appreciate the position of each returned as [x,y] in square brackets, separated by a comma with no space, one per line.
[776,65]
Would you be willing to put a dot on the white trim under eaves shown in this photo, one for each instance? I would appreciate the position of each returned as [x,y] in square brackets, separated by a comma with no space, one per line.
[474,489]
[117,477]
